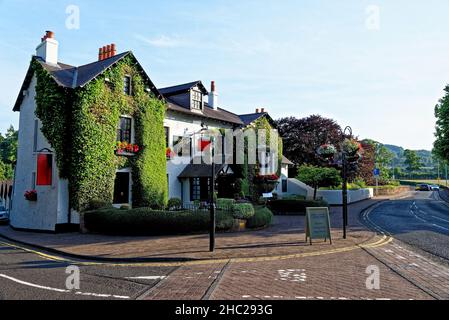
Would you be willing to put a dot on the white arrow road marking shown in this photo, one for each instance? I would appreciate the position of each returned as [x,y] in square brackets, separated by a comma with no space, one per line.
[147,278]
[61,290]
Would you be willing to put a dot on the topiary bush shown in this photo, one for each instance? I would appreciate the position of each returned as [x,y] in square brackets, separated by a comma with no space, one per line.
[262,218]
[174,204]
[227,204]
[144,221]
[293,206]
[243,211]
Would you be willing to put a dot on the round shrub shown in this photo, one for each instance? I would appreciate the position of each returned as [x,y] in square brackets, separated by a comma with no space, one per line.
[174,204]
[262,218]
[243,211]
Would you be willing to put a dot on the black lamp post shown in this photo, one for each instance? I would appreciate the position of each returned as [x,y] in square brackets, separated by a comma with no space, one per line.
[212,210]
[345,182]
[212,202]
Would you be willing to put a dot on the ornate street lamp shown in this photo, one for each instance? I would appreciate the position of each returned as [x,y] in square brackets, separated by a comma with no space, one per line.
[349,154]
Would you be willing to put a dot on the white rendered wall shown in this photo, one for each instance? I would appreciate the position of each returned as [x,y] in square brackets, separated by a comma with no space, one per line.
[52,204]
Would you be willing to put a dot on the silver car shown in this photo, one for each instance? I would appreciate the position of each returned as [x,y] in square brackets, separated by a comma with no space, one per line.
[434,187]
[3,214]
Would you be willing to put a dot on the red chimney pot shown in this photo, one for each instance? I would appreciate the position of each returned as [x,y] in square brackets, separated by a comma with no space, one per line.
[212,86]
[113,50]
[257,110]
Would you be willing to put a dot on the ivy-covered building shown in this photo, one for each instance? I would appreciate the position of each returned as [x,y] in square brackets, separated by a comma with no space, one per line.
[103,133]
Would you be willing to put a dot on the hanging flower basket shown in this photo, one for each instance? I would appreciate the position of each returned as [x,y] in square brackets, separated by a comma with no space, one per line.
[125,148]
[351,147]
[31,195]
[327,151]
[266,183]
[169,154]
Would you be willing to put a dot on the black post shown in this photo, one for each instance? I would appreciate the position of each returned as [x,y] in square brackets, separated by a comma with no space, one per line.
[212,205]
[345,194]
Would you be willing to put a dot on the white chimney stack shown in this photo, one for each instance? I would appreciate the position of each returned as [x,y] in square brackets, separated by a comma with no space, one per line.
[48,49]
[213,96]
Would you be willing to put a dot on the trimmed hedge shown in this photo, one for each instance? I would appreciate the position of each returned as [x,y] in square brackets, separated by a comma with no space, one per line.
[262,218]
[291,206]
[243,211]
[144,221]
[223,203]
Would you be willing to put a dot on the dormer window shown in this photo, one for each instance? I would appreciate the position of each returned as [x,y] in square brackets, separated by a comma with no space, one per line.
[197,100]
[127,85]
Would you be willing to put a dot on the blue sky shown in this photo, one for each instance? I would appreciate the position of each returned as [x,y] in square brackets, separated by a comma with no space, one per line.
[295,58]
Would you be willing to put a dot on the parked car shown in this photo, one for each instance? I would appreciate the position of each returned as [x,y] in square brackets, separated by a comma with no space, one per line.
[3,214]
[435,187]
[422,187]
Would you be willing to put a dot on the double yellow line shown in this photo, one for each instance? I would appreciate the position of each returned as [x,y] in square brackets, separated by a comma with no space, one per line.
[383,241]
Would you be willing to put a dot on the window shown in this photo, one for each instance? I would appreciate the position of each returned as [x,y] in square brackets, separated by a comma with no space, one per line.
[167,136]
[124,130]
[197,100]
[199,189]
[33,181]
[195,189]
[182,146]
[284,185]
[36,127]
[44,169]
[127,85]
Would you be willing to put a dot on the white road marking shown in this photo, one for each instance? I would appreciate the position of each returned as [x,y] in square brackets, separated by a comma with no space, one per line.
[147,278]
[61,290]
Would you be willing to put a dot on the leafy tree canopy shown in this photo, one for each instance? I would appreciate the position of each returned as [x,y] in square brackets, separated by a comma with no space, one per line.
[8,153]
[318,177]
[302,137]
[412,160]
[441,145]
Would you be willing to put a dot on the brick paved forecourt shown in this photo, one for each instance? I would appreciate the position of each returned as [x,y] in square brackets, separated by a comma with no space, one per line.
[285,237]
[275,263]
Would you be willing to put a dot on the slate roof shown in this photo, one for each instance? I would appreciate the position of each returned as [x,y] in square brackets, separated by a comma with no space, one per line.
[286,161]
[180,88]
[209,113]
[250,118]
[199,171]
[71,77]
[247,119]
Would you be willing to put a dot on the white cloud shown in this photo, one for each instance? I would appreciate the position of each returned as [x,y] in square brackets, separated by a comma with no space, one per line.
[162,41]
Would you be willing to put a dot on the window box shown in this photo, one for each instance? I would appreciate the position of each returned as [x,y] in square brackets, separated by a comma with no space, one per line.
[31,195]
[126,149]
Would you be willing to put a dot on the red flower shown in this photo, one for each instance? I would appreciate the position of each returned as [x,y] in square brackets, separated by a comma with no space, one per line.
[136,148]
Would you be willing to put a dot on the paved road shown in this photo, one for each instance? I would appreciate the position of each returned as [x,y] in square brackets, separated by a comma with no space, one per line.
[24,275]
[421,220]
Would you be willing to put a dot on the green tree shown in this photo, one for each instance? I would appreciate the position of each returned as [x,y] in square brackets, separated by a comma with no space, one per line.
[8,146]
[8,153]
[2,171]
[318,177]
[383,159]
[441,145]
[412,160]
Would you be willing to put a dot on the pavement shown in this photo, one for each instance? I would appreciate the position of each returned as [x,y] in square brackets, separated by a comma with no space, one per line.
[281,265]
[285,237]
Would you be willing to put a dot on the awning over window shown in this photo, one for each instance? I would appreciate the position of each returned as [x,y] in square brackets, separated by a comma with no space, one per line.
[203,170]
